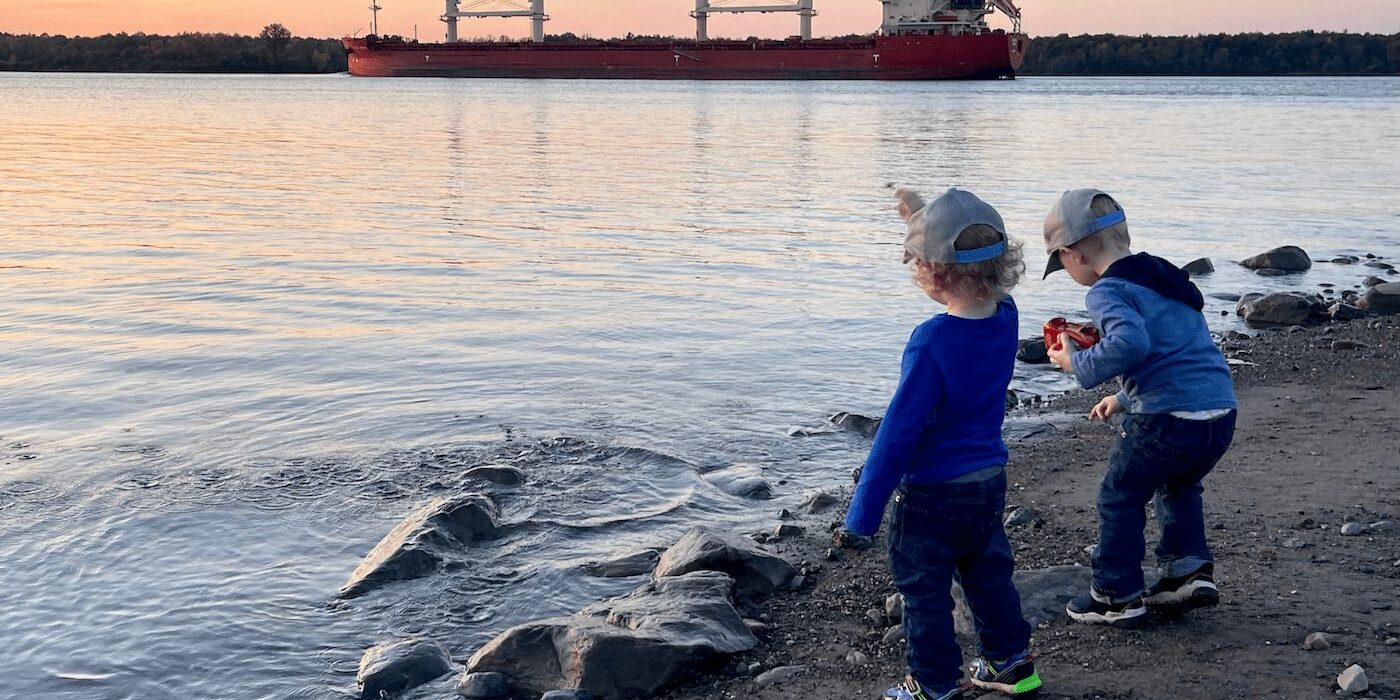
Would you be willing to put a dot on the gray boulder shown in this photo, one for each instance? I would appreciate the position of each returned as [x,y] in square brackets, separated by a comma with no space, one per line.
[756,573]
[1286,259]
[392,667]
[1279,309]
[1372,281]
[1032,351]
[415,547]
[1044,593]
[480,686]
[1199,266]
[865,426]
[497,474]
[741,480]
[1383,299]
[631,565]
[624,647]
[567,695]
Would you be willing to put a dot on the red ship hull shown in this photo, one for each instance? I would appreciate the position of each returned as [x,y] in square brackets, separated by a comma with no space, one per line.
[939,57]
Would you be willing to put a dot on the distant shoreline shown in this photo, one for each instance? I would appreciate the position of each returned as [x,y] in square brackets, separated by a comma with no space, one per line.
[1296,54]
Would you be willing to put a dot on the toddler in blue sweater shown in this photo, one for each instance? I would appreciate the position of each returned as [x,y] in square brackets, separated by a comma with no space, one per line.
[939,452]
[1180,404]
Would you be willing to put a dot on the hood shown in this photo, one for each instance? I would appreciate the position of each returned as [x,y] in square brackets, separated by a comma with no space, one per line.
[1158,275]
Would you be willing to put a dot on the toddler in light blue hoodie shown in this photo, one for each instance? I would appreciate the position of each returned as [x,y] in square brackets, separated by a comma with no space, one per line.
[1179,399]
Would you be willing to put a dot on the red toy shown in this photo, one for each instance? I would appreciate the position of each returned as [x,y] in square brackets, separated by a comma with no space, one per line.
[1083,334]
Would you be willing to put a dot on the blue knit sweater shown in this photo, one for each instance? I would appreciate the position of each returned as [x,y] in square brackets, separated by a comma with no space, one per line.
[945,418]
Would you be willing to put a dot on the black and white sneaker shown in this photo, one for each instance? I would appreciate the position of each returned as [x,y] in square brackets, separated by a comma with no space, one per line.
[1093,608]
[1194,590]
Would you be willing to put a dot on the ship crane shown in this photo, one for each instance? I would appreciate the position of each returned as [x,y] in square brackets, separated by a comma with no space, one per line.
[517,9]
[703,9]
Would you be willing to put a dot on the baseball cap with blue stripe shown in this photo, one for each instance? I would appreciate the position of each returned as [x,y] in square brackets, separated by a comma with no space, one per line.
[1072,220]
[934,228]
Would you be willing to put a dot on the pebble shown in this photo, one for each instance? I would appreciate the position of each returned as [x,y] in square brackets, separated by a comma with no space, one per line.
[754,668]
[875,616]
[1392,641]
[780,674]
[894,607]
[1383,526]
[1351,529]
[754,626]
[856,658]
[1353,680]
[893,635]
[1317,641]
[1295,543]
[1348,345]
[787,530]
[832,555]
[1021,515]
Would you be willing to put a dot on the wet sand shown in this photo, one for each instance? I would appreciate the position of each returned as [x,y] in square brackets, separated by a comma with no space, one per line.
[1317,446]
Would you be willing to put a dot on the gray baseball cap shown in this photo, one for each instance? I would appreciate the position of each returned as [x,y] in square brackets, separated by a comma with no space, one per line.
[933,228]
[1071,220]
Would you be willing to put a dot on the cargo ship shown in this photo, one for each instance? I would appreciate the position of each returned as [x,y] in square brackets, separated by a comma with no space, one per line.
[918,40]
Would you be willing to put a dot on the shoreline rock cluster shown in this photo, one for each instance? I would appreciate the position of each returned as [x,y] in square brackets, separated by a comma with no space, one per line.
[1374,297]
[690,612]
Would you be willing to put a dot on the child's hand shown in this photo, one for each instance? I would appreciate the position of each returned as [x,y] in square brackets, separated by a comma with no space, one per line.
[1106,408]
[1059,355]
[909,202]
[846,539]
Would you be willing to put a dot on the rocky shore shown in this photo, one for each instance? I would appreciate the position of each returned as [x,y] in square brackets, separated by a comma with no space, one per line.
[1302,515]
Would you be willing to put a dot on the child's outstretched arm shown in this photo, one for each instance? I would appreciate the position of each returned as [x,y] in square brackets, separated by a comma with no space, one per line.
[911,409]
[1125,342]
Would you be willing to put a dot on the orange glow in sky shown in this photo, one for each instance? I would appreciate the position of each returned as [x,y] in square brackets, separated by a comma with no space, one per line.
[605,18]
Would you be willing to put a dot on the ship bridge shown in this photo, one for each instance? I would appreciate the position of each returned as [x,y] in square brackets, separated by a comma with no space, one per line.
[925,17]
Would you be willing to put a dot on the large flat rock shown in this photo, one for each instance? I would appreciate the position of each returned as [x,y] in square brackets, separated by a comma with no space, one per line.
[756,573]
[416,546]
[624,647]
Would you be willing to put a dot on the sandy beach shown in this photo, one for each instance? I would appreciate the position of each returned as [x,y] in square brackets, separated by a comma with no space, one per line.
[1315,449]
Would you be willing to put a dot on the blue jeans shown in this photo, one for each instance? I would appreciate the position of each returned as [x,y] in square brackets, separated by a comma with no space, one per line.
[1161,457]
[939,533]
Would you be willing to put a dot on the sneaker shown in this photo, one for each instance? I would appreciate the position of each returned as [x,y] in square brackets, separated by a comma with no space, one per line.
[1093,608]
[1194,590]
[911,690]
[1015,676]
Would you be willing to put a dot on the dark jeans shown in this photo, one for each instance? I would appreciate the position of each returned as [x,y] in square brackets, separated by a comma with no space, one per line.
[1161,457]
[945,532]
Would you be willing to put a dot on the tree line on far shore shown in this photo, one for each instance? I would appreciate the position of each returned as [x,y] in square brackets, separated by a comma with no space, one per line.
[275,50]
[1297,53]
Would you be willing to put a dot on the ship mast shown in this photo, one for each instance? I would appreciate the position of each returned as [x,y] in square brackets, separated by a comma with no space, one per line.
[535,12]
[703,9]
[374,9]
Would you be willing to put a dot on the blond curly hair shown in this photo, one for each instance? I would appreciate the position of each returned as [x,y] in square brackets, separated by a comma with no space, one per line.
[989,279]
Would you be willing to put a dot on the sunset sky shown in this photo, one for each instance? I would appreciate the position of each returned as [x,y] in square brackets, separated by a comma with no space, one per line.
[617,17]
